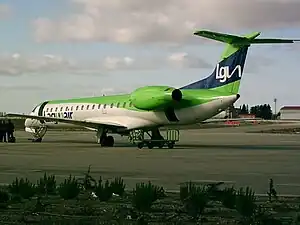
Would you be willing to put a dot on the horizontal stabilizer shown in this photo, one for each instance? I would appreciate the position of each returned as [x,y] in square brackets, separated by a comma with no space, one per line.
[272,41]
[241,40]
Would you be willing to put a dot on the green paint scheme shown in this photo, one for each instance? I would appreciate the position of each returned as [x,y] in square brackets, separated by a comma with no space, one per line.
[234,43]
[232,88]
[154,97]
[190,97]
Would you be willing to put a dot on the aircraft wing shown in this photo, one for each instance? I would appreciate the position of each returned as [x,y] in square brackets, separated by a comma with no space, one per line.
[91,122]
[110,122]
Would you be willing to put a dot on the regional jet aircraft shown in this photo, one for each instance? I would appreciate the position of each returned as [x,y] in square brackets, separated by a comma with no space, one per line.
[150,108]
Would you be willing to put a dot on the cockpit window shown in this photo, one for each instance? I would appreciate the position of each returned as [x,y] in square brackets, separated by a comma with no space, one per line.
[34,109]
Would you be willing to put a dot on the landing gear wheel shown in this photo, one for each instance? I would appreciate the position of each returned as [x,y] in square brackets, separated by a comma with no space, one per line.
[37,140]
[108,141]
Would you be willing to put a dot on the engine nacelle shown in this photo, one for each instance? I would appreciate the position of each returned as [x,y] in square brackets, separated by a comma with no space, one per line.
[155,97]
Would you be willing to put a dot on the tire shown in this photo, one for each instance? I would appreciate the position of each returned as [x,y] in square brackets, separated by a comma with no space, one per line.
[37,140]
[109,141]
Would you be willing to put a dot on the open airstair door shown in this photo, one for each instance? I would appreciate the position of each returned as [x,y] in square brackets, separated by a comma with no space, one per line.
[170,114]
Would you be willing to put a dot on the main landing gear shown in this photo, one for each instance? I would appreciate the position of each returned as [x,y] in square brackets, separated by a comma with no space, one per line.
[103,139]
[38,133]
[156,139]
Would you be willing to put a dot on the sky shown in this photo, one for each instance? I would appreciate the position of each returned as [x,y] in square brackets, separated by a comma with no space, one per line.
[56,49]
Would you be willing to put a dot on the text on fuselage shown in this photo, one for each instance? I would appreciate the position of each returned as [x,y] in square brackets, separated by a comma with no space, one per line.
[63,115]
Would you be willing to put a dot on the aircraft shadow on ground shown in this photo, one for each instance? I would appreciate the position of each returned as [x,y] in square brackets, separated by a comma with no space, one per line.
[188,146]
[239,147]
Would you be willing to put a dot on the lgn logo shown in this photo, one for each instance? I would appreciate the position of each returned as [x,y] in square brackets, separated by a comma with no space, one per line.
[223,73]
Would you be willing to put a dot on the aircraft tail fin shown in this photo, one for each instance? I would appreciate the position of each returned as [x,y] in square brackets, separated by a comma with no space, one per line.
[228,72]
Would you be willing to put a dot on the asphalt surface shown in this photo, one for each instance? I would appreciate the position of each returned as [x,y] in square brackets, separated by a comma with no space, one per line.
[208,155]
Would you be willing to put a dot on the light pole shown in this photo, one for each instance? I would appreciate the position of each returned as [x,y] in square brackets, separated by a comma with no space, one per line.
[275,102]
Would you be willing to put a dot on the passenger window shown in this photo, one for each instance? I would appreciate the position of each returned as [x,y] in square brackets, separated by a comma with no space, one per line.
[99,106]
[104,106]
[130,104]
[51,110]
[61,108]
[47,109]
[67,108]
[112,105]
[87,107]
[56,109]
[77,107]
[71,108]
[118,104]
[82,107]
[93,107]
[124,104]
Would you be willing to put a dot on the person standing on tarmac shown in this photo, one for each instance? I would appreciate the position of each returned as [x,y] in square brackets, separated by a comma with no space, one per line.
[10,130]
[1,130]
[4,131]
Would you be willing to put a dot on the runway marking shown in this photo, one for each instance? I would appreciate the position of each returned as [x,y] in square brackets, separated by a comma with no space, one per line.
[211,181]
[292,141]
[290,185]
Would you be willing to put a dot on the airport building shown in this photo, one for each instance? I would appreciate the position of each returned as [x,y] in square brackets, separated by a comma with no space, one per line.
[290,113]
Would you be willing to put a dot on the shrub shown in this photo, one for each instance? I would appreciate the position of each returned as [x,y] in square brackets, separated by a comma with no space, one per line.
[228,198]
[88,182]
[103,192]
[144,195]
[4,198]
[245,202]
[23,188]
[264,217]
[46,185]
[215,193]
[196,201]
[185,189]
[69,189]
[118,186]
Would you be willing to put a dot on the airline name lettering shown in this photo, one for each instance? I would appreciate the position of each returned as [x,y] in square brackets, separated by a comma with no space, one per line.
[64,115]
[223,73]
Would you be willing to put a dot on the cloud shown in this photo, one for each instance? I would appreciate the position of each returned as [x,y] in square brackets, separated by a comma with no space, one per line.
[184,60]
[112,63]
[172,21]
[5,11]
[255,62]
[17,64]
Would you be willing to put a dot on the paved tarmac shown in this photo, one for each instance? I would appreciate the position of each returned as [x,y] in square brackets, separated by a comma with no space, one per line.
[208,155]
